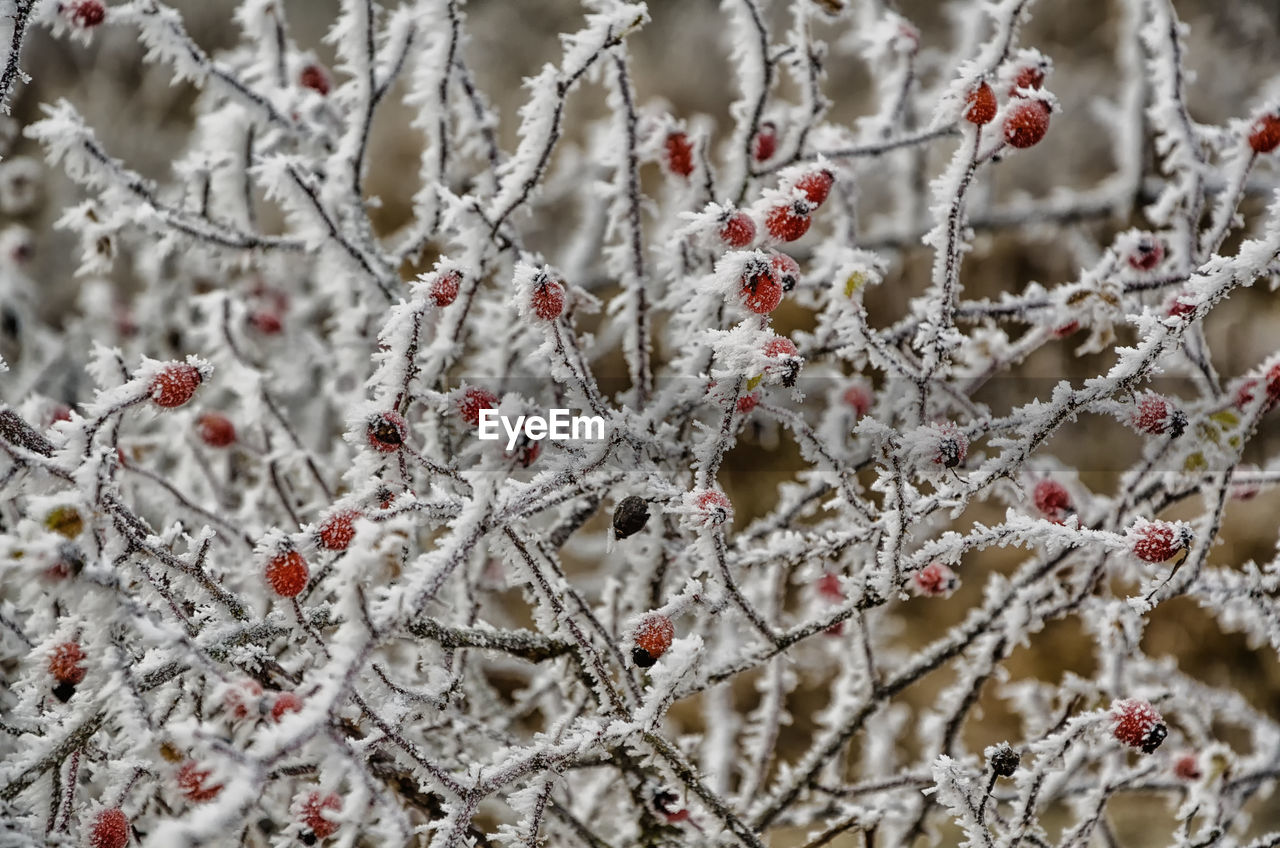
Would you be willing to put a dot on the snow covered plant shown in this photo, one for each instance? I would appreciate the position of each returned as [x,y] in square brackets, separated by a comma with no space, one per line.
[263,583]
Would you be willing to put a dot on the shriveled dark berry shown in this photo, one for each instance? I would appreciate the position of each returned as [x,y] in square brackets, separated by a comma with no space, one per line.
[630,516]
[642,658]
[1004,761]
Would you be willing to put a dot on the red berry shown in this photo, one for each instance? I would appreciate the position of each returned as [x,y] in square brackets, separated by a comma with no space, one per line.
[315,78]
[1052,500]
[1066,329]
[1155,415]
[1147,253]
[1187,767]
[829,587]
[1029,76]
[89,13]
[760,289]
[65,664]
[547,299]
[472,401]
[766,142]
[1178,308]
[1159,541]
[779,346]
[192,783]
[653,638]
[738,230]
[527,452]
[1137,724]
[266,322]
[748,402]
[935,580]
[110,829]
[174,385]
[789,221]
[1264,135]
[287,574]
[980,105]
[713,508]
[337,531]
[1026,123]
[216,430]
[61,412]
[386,432]
[785,269]
[444,289]
[679,154]
[858,396]
[816,185]
[242,699]
[313,817]
[285,702]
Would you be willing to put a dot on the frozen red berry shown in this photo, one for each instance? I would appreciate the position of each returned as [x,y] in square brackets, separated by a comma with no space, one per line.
[830,590]
[779,346]
[789,221]
[315,78]
[935,580]
[816,185]
[1147,253]
[444,288]
[829,587]
[314,814]
[1154,415]
[66,664]
[338,529]
[1026,123]
[679,154]
[193,783]
[785,270]
[1029,76]
[1187,767]
[1067,329]
[110,829]
[1159,541]
[174,385]
[88,13]
[1052,500]
[527,451]
[653,638]
[761,291]
[547,299]
[858,396]
[474,399]
[266,321]
[287,574]
[285,702]
[1264,135]
[765,143]
[980,104]
[1179,308]
[748,402]
[242,699]
[712,508]
[737,229]
[216,430]
[1137,724]
[386,432]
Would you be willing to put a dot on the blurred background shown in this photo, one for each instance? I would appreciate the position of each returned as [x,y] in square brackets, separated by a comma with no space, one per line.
[680,58]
